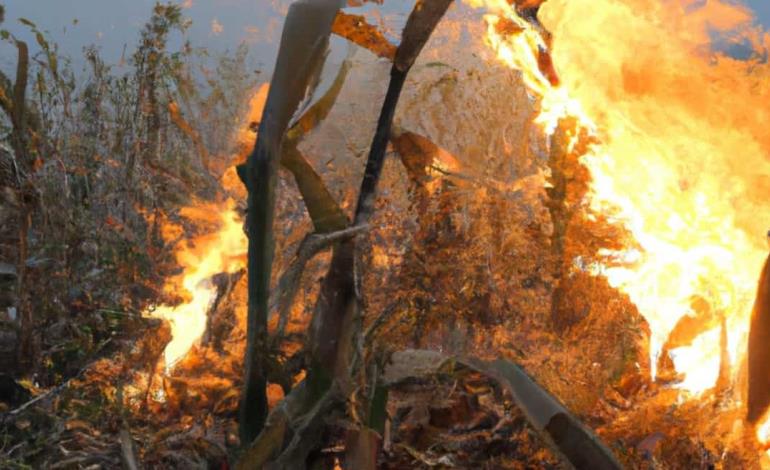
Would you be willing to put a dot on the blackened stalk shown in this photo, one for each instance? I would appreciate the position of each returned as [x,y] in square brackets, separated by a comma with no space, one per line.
[336,326]
[337,301]
[300,56]
[331,328]
[376,160]
[418,29]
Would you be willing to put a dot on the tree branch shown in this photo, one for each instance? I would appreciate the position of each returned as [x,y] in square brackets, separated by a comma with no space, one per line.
[288,284]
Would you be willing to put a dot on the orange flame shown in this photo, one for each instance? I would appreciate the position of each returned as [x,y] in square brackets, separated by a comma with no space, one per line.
[222,251]
[681,161]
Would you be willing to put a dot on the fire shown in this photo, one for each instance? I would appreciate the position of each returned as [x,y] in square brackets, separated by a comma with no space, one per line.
[670,115]
[220,251]
[763,431]
[681,159]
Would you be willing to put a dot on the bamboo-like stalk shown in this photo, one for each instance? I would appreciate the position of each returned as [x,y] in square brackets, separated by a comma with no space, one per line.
[333,328]
[303,45]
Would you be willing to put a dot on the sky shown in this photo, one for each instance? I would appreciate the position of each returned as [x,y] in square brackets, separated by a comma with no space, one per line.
[762,9]
[112,24]
[218,25]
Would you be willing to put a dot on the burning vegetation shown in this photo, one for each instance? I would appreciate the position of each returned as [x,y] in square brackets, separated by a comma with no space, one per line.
[525,235]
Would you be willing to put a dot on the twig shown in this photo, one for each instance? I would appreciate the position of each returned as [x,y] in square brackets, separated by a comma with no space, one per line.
[38,398]
[13,449]
[379,322]
[55,389]
[288,285]
[192,133]
[444,461]
[128,314]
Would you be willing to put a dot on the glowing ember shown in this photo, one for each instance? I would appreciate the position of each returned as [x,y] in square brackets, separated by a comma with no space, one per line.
[681,161]
[221,253]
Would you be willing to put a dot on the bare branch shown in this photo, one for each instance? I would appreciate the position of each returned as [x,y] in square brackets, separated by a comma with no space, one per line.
[288,285]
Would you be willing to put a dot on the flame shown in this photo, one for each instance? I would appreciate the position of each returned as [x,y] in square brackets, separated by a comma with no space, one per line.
[222,250]
[680,158]
[672,124]
[763,431]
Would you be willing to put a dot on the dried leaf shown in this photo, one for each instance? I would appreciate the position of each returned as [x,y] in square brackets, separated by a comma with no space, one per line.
[355,29]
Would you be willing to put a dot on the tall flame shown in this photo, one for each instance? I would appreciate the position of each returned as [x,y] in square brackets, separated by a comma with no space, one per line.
[680,163]
[681,160]
[221,251]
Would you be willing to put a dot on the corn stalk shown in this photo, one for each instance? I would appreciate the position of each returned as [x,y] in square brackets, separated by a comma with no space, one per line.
[303,45]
